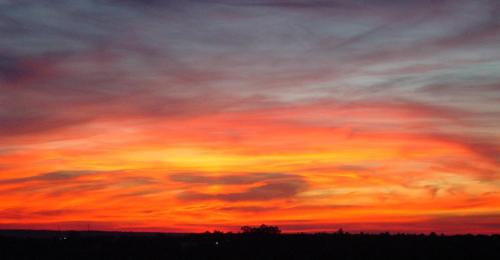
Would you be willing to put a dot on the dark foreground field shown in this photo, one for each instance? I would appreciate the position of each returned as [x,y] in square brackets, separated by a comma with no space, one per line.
[103,245]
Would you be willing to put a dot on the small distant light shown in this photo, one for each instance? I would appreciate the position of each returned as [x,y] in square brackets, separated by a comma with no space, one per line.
[65,238]
[216,243]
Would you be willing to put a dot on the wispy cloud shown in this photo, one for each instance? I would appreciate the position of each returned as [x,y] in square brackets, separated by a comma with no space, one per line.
[48,177]
[269,186]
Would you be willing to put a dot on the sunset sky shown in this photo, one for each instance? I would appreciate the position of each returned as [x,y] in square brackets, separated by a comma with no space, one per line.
[186,116]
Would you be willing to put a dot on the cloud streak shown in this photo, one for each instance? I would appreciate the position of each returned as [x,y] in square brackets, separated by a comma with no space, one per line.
[269,186]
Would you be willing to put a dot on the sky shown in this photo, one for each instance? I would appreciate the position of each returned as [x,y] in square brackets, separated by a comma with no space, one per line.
[186,116]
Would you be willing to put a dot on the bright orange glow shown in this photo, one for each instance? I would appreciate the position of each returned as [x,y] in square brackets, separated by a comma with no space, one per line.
[245,168]
[189,116]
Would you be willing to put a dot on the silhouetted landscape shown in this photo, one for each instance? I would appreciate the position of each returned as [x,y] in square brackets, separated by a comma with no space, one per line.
[356,129]
[264,242]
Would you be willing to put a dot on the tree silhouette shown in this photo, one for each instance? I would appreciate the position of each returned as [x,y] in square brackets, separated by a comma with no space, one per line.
[261,230]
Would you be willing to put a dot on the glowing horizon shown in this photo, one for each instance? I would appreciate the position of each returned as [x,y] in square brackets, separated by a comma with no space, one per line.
[186,116]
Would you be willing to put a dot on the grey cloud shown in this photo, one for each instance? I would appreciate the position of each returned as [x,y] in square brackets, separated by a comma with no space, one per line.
[274,186]
[169,59]
[485,148]
[60,183]
[23,213]
[459,89]
[267,192]
[247,178]
[251,209]
[15,123]
[292,4]
[11,69]
[262,193]
[48,177]
[135,194]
